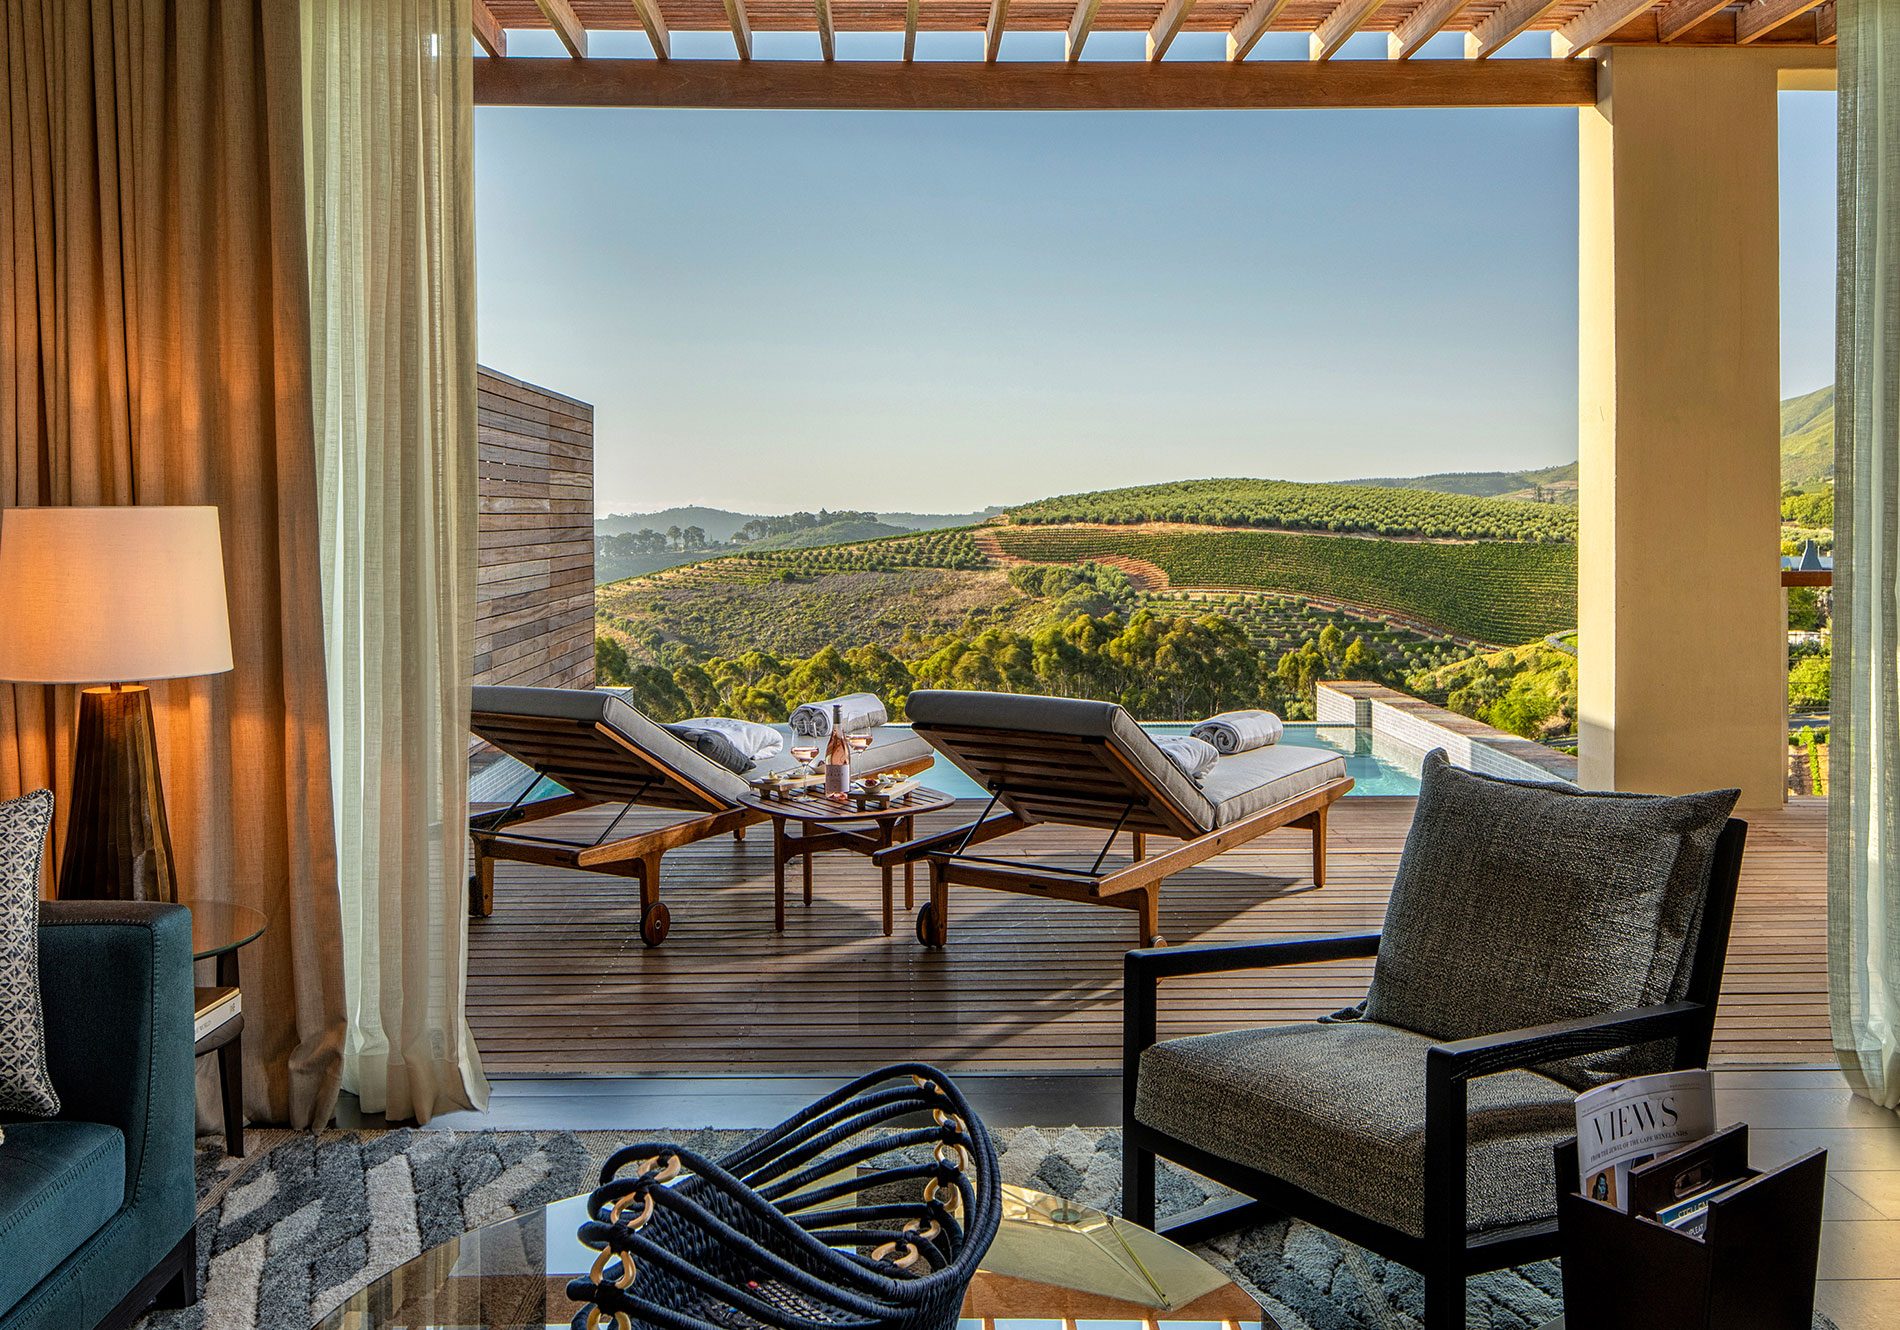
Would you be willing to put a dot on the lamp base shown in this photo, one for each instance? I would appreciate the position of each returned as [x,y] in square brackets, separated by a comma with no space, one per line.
[118,843]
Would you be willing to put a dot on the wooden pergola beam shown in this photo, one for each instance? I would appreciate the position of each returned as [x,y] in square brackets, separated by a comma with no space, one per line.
[1346,18]
[1758,18]
[489,34]
[1514,17]
[827,34]
[1679,16]
[910,30]
[654,23]
[1602,19]
[1080,23]
[1253,25]
[1041,85]
[741,24]
[1420,26]
[560,17]
[993,30]
[1167,26]
[1826,21]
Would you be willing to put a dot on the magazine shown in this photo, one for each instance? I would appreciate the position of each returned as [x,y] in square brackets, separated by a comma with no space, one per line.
[1629,1121]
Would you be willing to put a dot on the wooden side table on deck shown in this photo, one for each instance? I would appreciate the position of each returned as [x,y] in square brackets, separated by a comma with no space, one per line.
[219,931]
[838,824]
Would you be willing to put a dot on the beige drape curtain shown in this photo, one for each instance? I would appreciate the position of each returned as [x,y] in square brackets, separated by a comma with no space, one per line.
[389,121]
[154,348]
[1864,779]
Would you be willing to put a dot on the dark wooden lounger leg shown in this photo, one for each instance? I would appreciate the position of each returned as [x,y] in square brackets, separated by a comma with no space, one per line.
[1149,912]
[481,887]
[656,921]
[1319,846]
[1141,845]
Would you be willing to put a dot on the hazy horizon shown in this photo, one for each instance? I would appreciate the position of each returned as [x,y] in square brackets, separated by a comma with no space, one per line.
[937,312]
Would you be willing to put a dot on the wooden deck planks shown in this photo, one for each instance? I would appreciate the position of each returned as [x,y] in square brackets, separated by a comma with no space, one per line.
[560,983]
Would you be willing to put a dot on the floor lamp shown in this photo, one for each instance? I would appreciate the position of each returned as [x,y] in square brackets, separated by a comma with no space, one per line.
[113,597]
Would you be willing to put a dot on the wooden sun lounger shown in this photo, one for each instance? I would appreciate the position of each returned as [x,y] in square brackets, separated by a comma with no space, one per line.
[1088,764]
[601,750]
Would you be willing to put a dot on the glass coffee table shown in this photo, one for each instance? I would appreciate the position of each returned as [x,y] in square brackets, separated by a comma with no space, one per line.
[1054,1266]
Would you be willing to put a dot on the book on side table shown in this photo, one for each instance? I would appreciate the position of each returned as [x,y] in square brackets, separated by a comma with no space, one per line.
[215,1006]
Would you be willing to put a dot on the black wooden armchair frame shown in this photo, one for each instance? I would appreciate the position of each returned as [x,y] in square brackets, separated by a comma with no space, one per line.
[1447,1253]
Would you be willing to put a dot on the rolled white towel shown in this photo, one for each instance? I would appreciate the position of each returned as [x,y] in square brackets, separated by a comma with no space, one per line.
[1195,757]
[1240,731]
[756,741]
[862,711]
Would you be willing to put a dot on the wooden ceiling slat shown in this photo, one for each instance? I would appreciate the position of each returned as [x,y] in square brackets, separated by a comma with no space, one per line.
[1348,17]
[1513,18]
[654,23]
[1167,26]
[827,34]
[1678,16]
[1825,24]
[1253,25]
[1758,18]
[1599,21]
[741,26]
[1420,26]
[489,34]
[560,17]
[1080,24]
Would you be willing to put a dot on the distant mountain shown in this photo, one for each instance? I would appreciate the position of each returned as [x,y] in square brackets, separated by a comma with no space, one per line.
[1807,438]
[1807,459]
[719,524]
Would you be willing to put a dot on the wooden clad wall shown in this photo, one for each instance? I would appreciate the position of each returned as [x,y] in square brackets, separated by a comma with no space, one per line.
[534,596]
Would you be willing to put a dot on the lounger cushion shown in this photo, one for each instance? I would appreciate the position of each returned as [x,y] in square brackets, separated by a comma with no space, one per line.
[1587,903]
[1076,717]
[1339,1110]
[1246,783]
[606,707]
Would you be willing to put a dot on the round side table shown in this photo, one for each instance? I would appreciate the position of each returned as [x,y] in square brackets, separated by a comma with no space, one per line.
[219,931]
[839,824]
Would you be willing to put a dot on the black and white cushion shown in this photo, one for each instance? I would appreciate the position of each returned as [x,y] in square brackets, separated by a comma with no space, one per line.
[25,1086]
[1519,903]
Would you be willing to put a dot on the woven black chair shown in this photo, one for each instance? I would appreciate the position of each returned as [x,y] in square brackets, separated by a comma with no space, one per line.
[1540,940]
[867,1211]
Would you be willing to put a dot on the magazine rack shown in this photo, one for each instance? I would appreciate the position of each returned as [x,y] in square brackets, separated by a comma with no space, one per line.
[1751,1268]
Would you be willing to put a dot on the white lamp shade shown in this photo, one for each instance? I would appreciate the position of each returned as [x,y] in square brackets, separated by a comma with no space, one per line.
[111,595]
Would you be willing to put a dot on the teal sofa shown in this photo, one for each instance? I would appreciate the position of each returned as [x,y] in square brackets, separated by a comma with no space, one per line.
[97,1205]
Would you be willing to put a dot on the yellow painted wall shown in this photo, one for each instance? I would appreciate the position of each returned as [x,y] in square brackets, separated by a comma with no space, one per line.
[1682,652]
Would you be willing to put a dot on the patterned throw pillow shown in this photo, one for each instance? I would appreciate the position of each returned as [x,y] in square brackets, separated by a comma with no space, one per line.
[25,1086]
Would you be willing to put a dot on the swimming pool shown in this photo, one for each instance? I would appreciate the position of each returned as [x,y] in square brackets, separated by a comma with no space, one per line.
[1391,769]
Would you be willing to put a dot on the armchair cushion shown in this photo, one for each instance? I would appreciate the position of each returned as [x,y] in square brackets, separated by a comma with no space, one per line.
[1339,1110]
[1518,904]
[26,1086]
[60,1183]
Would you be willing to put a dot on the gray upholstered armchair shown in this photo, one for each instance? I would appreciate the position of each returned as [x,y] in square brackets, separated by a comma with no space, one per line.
[1540,940]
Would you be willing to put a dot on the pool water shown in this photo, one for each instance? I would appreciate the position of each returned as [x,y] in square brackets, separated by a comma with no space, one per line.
[1391,770]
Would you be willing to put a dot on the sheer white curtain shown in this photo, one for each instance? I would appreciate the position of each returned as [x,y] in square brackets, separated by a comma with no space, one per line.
[388,123]
[1864,823]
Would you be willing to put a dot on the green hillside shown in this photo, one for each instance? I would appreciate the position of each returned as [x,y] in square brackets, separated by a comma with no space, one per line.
[1494,591]
[1292,506]
[1807,438]
[1558,484]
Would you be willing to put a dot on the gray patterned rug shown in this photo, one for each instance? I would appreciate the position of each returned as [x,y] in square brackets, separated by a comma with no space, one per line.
[304,1221]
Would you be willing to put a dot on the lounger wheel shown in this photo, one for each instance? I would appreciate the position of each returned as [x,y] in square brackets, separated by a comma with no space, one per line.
[656,921]
[930,930]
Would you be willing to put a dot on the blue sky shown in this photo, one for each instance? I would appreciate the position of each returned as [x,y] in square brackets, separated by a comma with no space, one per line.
[780,310]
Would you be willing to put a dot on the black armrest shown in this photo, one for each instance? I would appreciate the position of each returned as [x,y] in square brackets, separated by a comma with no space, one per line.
[1449,1067]
[1510,1050]
[1143,970]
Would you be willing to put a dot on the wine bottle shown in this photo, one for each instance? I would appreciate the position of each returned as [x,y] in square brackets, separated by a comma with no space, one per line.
[837,758]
